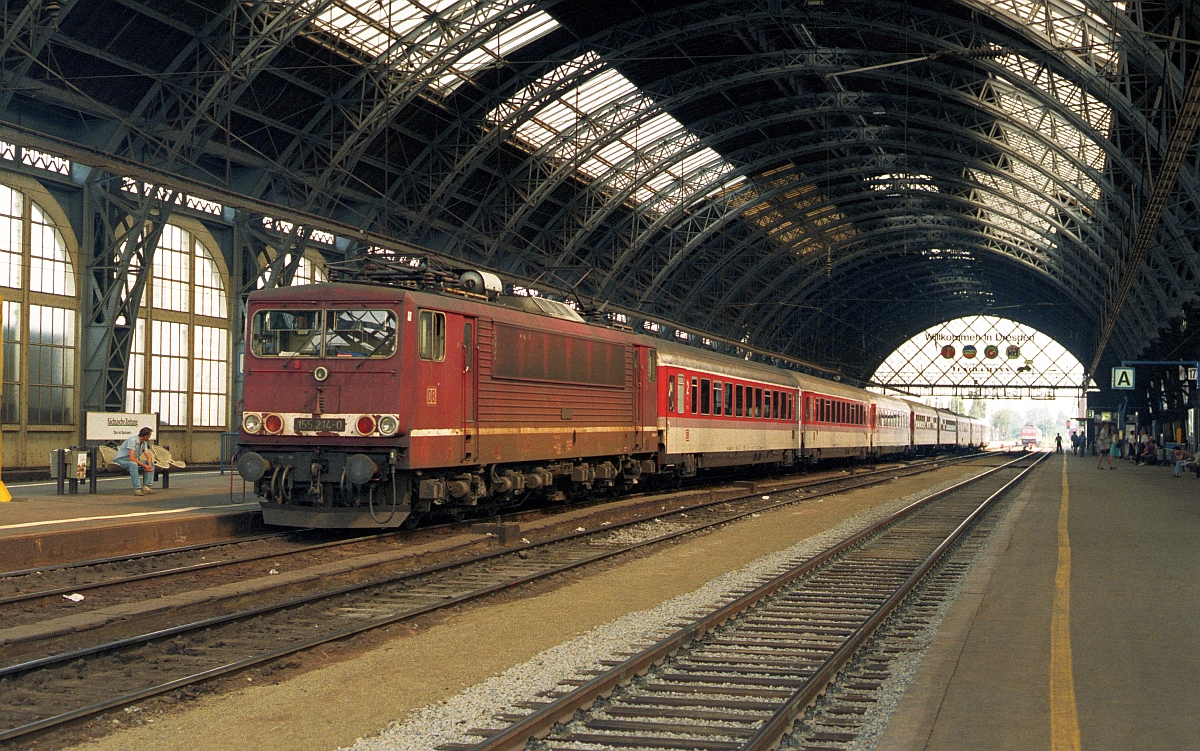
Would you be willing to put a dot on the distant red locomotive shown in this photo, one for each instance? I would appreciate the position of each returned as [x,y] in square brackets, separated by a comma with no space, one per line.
[366,405]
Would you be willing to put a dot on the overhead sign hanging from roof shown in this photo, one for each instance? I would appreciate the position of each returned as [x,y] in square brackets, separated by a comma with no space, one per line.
[1122,378]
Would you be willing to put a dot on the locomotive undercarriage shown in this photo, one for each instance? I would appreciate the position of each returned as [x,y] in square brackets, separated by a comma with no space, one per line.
[335,489]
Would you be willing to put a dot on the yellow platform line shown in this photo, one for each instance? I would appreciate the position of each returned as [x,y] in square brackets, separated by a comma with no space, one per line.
[1064,719]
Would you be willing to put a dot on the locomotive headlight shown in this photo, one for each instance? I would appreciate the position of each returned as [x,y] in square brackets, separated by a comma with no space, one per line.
[251,422]
[388,425]
[273,424]
[365,425]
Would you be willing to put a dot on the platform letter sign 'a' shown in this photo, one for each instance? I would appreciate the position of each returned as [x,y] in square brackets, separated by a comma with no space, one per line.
[1122,378]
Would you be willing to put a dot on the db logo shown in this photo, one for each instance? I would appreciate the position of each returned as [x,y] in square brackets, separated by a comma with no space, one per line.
[431,395]
[687,435]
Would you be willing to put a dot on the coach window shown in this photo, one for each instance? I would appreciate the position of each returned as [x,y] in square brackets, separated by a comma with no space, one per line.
[757,403]
[695,397]
[739,400]
[705,394]
[431,337]
[179,358]
[679,389]
[670,393]
[767,405]
[718,398]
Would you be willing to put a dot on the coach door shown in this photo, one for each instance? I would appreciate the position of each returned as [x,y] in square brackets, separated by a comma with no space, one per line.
[469,405]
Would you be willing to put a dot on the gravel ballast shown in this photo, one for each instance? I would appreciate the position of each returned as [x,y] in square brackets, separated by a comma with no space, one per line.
[448,721]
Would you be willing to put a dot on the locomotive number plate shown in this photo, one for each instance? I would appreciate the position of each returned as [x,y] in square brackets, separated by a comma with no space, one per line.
[319,425]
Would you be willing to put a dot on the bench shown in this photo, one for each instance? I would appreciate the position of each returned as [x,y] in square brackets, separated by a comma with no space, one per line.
[164,463]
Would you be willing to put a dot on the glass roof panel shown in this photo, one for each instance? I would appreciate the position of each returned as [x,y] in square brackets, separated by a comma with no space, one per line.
[1040,170]
[1071,24]
[639,143]
[471,35]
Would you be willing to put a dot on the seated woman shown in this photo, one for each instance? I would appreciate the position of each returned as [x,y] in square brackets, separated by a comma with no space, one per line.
[1149,453]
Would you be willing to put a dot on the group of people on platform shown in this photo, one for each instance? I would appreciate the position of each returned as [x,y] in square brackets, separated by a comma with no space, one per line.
[1141,449]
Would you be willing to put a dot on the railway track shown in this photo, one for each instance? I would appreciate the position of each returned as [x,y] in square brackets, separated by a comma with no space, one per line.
[739,678]
[131,578]
[54,689]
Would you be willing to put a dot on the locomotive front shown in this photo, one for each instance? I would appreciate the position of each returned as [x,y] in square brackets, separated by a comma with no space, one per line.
[323,417]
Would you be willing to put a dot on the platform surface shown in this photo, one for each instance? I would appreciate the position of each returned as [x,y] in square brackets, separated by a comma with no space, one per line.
[1130,641]
[40,528]
[36,506]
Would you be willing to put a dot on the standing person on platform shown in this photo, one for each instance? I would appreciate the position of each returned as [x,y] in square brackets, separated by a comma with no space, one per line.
[134,455]
[1058,443]
[1182,457]
[1104,447]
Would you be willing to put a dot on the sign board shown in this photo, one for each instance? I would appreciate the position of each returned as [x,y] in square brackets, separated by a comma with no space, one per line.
[117,426]
[1122,378]
[1091,414]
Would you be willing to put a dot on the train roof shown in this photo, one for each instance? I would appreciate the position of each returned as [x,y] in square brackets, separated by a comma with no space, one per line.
[669,353]
[329,291]
[683,356]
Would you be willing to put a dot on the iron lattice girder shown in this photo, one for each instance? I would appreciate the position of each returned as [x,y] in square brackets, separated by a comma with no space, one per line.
[124,229]
[926,143]
[484,148]
[730,125]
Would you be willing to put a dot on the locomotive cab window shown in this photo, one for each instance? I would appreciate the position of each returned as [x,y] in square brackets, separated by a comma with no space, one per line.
[652,365]
[286,333]
[360,333]
[431,335]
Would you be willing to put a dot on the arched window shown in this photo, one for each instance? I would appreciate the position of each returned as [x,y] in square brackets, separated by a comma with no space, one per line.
[179,363]
[37,284]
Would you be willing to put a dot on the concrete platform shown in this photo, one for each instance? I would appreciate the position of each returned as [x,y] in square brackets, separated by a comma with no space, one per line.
[41,528]
[1083,635]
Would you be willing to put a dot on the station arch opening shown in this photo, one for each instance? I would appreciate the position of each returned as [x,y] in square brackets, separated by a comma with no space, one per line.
[983,365]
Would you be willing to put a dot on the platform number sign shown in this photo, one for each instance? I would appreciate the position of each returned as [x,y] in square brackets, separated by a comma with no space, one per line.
[1122,378]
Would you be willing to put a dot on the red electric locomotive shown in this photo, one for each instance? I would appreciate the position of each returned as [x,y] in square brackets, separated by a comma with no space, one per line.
[366,404]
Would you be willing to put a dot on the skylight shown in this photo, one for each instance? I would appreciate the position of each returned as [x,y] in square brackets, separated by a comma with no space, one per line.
[799,217]
[895,183]
[457,37]
[615,134]
[1072,24]
[1017,210]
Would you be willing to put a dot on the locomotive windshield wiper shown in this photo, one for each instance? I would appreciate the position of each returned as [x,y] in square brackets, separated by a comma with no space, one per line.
[374,349]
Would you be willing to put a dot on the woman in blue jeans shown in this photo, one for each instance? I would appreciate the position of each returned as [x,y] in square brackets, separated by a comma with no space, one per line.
[134,455]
